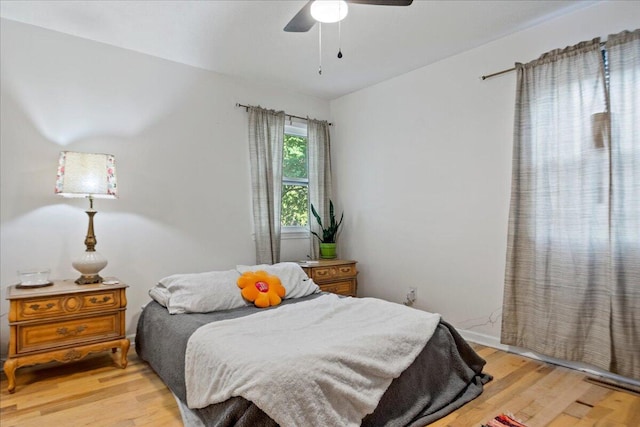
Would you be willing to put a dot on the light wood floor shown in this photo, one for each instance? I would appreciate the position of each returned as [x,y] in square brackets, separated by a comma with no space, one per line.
[94,392]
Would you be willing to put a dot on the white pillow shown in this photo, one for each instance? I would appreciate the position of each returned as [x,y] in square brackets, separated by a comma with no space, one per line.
[201,292]
[160,294]
[291,275]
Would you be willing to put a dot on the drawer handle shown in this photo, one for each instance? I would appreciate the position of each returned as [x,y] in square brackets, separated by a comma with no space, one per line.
[321,272]
[65,332]
[97,301]
[345,269]
[36,307]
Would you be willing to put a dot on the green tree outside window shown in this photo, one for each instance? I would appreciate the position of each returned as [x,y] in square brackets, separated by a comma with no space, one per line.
[295,182]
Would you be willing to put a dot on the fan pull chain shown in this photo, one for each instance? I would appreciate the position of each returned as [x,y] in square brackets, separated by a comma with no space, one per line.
[320,48]
[339,34]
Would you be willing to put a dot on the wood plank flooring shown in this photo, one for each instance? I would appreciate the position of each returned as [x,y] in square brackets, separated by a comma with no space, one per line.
[93,392]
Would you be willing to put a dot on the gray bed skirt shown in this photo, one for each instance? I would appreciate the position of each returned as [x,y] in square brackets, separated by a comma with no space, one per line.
[446,375]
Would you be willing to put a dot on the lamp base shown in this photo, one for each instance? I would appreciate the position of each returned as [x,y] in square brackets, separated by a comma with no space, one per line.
[89,265]
[88,280]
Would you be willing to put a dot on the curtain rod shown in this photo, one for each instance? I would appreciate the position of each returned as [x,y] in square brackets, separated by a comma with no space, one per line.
[246,107]
[497,73]
[513,69]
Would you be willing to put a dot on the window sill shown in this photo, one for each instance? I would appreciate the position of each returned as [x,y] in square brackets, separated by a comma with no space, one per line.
[290,233]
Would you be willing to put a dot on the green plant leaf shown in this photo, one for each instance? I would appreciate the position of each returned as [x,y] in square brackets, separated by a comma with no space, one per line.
[315,213]
[329,233]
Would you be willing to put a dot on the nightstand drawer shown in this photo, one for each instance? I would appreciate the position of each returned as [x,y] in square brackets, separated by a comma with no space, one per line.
[342,288]
[48,307]
[321,274]
[41,336]
[40,308]
[100,301]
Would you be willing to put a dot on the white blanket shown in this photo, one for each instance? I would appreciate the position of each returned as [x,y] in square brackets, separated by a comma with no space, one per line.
[324,362]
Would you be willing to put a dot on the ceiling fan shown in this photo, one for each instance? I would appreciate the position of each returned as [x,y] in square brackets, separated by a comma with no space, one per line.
[303,21]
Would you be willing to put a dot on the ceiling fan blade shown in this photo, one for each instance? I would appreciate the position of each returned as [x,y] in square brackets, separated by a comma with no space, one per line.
[383,2]
[302,22]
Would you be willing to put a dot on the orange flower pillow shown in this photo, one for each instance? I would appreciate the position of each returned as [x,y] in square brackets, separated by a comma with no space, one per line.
[261,288]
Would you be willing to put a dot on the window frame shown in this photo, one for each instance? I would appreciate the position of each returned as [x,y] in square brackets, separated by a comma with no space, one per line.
[296,128]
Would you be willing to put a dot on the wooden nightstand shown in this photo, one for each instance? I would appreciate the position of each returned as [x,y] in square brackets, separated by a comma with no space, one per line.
[336,275]
[64,322]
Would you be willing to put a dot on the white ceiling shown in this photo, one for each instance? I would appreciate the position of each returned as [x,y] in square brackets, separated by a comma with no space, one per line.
[245,38]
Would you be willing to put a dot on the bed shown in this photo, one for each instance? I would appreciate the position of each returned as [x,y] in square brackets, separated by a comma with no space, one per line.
[440,375]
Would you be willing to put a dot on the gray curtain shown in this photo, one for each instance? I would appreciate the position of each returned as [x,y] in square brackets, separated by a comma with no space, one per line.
[572,279]
[266,139]
[624,88]
[319,146]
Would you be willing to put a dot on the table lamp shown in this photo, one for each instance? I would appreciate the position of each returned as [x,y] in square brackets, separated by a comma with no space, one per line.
[92,176]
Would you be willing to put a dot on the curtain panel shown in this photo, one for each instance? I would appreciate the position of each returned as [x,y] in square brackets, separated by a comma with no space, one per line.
[623,51]
[572,276]
[320,186]
[266,140]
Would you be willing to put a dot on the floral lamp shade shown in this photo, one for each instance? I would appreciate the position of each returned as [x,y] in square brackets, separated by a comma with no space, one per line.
[86,175]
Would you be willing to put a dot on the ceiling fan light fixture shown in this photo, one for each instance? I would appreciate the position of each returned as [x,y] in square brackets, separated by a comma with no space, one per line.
[329,11]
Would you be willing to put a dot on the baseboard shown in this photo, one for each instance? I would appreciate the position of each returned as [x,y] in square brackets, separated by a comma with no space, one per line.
[484,339]
[494,342]
[132,340]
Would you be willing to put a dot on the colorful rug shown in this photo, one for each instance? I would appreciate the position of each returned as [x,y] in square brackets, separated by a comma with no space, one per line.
[503,420]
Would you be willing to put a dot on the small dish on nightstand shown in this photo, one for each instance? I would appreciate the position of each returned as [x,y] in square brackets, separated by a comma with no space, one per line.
[32,285]
[34,278]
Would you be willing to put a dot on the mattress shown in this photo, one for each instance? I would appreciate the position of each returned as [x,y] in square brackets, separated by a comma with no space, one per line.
[445,375]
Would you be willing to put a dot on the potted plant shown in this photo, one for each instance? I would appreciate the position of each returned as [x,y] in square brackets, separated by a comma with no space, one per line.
[329,233]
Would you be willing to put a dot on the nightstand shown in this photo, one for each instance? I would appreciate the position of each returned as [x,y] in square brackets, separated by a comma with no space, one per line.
[64,322]
[335,275]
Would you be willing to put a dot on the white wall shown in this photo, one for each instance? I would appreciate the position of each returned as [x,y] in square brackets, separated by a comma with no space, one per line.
[422,163]
[181,153]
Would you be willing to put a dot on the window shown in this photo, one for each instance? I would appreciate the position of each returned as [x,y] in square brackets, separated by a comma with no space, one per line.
[295,180]
[580,158]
